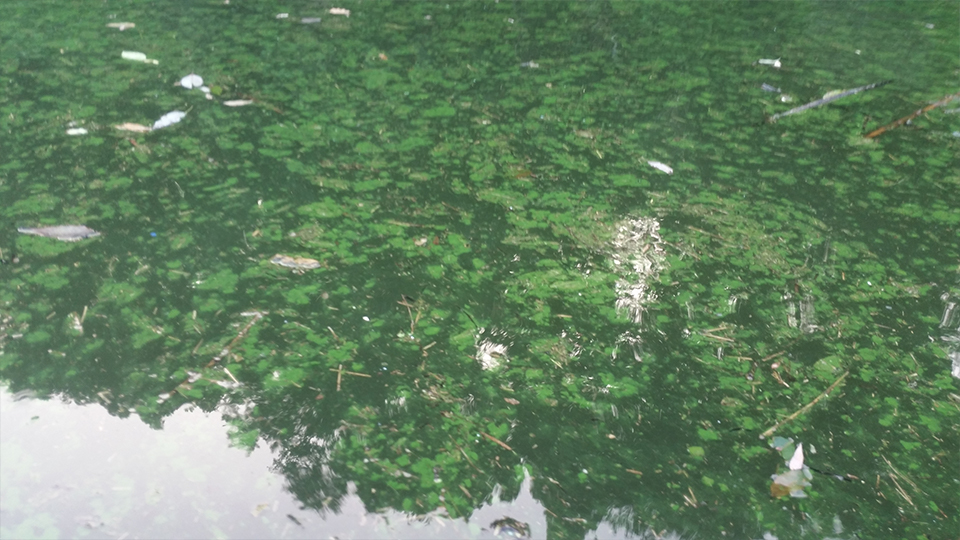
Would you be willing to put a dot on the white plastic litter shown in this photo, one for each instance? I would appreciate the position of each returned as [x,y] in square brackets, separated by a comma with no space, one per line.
[796,462]
[169,119]
[191,81]
[661,166]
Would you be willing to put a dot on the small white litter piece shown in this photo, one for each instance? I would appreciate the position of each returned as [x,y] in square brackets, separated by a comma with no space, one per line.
[661,166]
[191,81]
[169,119]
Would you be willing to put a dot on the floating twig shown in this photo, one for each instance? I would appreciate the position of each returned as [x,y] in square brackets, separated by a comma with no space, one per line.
[340,371]
[257,315]
[354,373]
[827,99]
[496,440]
[805,408]
[227,371]
[905,119]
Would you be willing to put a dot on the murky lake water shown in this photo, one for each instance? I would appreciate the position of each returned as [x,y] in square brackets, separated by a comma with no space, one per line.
[489,269]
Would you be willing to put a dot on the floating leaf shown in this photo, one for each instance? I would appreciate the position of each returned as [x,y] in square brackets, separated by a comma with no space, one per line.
[169,119]
[67,233]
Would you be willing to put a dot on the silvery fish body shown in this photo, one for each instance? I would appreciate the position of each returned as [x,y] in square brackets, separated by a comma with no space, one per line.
[67,233]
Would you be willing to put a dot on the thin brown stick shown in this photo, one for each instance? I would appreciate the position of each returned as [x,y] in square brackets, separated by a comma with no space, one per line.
[706,233]
[496,440]
[772,356]
[354,373]
[719,338]
[257,315]
[462,451]
[905,119]
[805,408]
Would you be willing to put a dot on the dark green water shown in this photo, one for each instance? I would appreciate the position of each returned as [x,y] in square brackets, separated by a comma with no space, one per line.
[510,301]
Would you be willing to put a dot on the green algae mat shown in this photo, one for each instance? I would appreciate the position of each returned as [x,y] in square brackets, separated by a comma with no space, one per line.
[432,250]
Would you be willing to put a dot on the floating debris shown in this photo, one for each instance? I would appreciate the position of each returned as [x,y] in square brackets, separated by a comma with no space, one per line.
[769,88]
[169,119]
[798,475]
[130,126]
[492,354]
[66,233]
[137,57]
[299,264]
[908,118]
[238,102]
[768,62]
[76,131]
[638,257]
[191,81]
[121,26]
[510,528]
[531,65]
[827,98]
[661,166]
[310,20]
[339,11]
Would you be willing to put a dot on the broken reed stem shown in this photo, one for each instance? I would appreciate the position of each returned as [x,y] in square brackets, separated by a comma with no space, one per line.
[880,131]
[805,408]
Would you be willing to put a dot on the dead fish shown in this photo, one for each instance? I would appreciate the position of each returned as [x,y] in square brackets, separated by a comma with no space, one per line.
[299,264]
[67,233]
